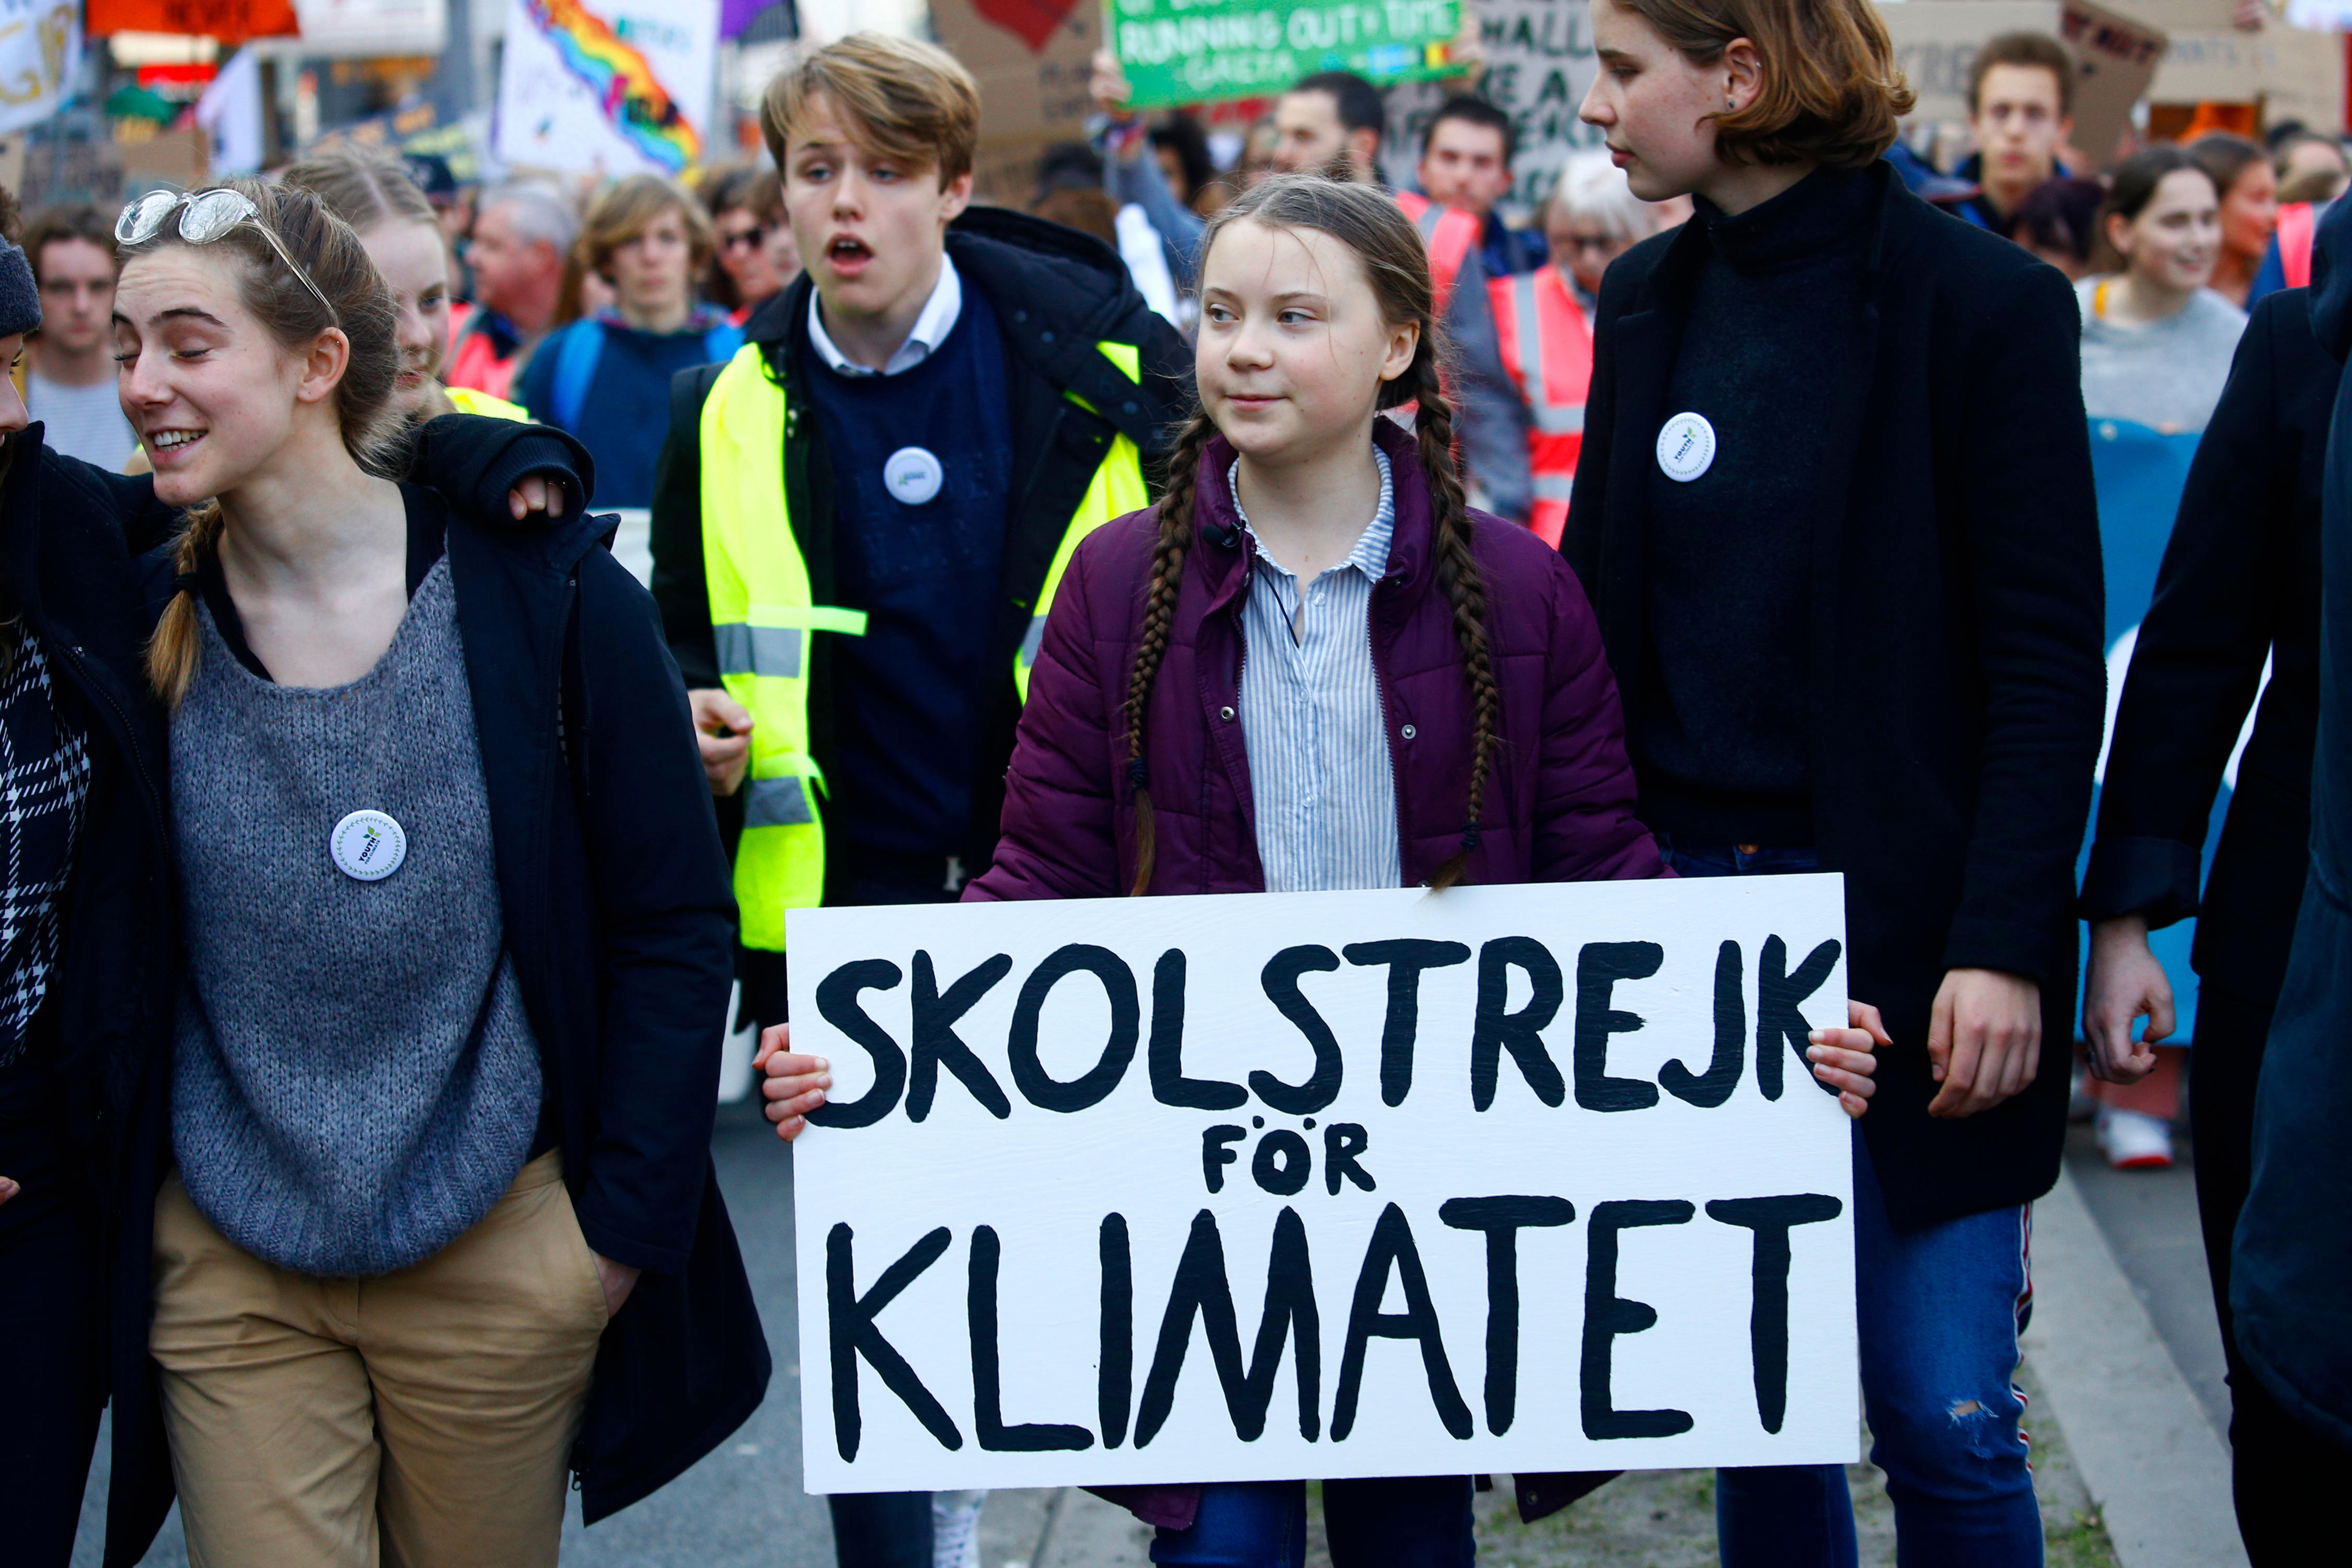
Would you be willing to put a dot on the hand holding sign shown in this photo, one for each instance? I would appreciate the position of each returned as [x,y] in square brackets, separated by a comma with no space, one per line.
[795,1085]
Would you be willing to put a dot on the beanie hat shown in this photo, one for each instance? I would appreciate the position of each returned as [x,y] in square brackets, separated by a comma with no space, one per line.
[20,296]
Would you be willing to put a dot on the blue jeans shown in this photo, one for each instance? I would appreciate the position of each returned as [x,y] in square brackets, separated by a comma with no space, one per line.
[1420,1521]
[1940,1308]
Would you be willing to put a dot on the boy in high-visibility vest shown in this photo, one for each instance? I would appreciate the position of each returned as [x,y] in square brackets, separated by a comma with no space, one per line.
[860,519]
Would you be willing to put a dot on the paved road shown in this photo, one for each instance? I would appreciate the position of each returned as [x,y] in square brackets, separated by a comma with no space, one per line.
[2150,1218]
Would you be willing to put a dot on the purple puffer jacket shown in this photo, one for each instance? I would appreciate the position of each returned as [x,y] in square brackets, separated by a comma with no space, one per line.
[1558,808]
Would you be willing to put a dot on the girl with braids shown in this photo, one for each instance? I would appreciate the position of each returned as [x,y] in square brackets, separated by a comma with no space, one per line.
[456,938]
[1418,690]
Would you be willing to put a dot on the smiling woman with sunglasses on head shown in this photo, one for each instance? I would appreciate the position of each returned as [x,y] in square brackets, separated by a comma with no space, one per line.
[445,1050]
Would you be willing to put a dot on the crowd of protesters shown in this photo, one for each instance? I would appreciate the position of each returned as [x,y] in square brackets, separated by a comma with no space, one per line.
[961,520]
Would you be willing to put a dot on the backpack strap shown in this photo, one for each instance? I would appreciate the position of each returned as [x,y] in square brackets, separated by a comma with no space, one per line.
[720,343]
[575,366]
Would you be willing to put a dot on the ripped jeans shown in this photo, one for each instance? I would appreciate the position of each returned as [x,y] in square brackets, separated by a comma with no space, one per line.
[1940,1308]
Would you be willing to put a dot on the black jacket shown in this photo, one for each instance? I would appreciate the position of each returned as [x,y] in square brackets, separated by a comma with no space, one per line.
[614,896]
[1956,676]
[71,529]
[2290,1268]
[1057,293]
[2240,584]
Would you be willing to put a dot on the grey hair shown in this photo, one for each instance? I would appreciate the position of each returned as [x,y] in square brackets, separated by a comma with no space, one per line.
[540,213]
[1593,188]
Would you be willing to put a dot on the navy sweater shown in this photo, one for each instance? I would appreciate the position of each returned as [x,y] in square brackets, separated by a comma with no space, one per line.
[1728,554]
[911,694]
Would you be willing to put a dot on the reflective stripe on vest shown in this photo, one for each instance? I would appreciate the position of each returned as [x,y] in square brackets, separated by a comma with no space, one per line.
[1448,233]
[471,400]
[1546,345]
[2298,223]
[762,622]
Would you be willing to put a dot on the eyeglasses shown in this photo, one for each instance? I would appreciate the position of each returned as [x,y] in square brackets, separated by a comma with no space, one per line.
[755,236]
[206,216]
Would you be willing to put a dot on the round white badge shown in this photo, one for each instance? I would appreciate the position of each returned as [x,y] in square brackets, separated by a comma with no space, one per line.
[1686,447]
[913,475]
[368,846]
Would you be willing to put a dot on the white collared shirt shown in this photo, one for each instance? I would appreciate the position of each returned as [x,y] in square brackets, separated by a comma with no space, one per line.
[931,328]
[1314,725]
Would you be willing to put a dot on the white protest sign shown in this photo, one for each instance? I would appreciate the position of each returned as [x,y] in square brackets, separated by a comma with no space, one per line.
[40,55]
[1539,63]
[1325,1184]
[607,86]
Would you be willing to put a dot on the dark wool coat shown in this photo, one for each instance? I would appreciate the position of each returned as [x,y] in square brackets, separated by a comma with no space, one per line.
[1559,805]
[71,531]
[1956,667]
[617,911]
[2239,585]
[2291,1270]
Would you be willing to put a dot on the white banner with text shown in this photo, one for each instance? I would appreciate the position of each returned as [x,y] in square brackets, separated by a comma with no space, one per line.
[1510,1179]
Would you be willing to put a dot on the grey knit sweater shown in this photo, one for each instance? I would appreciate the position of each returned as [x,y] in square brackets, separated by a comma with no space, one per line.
[355,1082]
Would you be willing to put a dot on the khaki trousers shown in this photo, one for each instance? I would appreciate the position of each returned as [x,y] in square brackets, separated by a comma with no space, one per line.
[423,1418]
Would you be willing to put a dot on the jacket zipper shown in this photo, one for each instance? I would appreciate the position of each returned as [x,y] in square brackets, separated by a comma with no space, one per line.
[1388,731]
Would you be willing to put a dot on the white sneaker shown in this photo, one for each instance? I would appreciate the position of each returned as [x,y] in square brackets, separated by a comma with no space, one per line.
[955,1528]
[2134,1140]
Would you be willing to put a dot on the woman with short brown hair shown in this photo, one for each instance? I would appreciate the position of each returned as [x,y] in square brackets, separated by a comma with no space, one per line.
[1835,498]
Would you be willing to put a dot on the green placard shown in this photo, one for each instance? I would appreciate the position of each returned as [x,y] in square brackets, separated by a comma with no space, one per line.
[1199,51]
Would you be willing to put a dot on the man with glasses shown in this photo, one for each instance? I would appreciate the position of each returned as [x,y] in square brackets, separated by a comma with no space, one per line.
[2020,111]
[521,235]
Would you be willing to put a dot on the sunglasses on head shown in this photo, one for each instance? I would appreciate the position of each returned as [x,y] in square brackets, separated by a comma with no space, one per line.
[206,216]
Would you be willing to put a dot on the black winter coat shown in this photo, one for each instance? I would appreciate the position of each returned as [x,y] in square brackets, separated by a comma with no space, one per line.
[2240,584]
[71,531]
[614,895]
[1956,670]
[2291,1269]
[1057,293]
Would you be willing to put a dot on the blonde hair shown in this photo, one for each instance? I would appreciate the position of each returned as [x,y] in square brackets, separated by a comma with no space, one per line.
[352,298]
[1832,92]
[896,98]
[363,187]
[628,207]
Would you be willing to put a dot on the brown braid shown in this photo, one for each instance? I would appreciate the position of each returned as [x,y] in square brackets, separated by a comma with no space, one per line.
[1465,589]
[171,652]
[1175,518]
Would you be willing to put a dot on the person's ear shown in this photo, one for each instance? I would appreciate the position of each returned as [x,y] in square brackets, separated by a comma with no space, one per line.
[1364,149]
[1405,341]
[324,365]
[1743,74]
[955,197]
[2118,229]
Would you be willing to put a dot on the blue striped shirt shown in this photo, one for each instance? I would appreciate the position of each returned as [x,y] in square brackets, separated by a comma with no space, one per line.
[1312,718]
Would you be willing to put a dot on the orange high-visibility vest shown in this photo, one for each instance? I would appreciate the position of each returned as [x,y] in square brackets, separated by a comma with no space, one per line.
[1546,346]
[1449,233]
[2297,223]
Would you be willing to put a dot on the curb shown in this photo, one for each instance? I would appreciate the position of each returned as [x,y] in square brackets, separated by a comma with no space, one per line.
[2147,1452]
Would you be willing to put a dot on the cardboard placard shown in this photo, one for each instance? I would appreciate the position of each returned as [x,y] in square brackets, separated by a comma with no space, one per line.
[1033,62]
[2291,73]
[1539,63]
[1186,1189]
[1935,43]
[1205,51]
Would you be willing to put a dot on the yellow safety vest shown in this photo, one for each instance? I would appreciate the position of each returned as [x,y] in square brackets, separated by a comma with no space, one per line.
[469,400]
[761,616]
